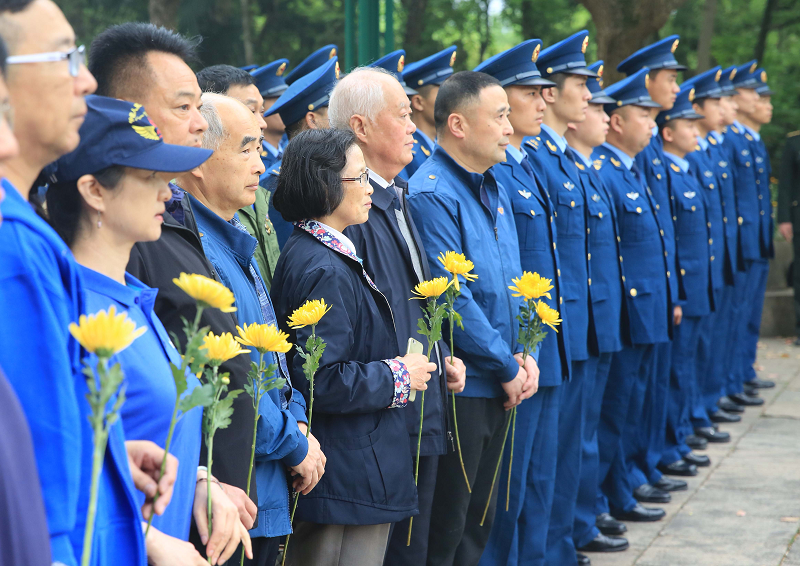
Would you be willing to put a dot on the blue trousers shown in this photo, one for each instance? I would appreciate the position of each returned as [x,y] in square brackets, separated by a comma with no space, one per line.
[722,344]
[571,425]
[682,384]
[753,319]
[742,281]
[519,533]
[625,384]
[584,530]
[706,358]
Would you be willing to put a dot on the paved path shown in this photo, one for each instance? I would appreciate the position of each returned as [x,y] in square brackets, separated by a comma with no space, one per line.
[744,510]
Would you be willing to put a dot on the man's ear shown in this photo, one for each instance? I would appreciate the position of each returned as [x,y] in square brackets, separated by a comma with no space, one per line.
[615,123]
[358,124]
[550,95]
[417,103]
[668,134]
[457,125]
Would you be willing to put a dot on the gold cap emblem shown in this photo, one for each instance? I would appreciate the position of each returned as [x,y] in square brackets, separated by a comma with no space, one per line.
[337,70]
[585,44]
[733,74]
[401,63]
[647,81]
[453,59]
[535,55]
[718,75]
[280,70]
[691,95]
[332,54]
[674,45]
[763,76]
[753,68]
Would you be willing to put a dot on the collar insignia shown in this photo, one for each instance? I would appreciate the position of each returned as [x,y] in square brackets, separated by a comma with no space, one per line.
[579,166]
[749,137]
[632,196]
[550,146]
[615,162]
[712,140]
[675,168]
[425,151]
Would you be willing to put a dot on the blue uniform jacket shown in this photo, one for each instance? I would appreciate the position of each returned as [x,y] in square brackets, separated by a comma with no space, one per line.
[560,177]
[766,222]
[469,213]
[359,390]
[693,238]
[269,182]
[380,244]
[150,391]
[747,201]
[268,155]
[422,151]
[42,294]
[642,248]
[534,222]
[718,156]
[279,442]
[702,168]
[605,264]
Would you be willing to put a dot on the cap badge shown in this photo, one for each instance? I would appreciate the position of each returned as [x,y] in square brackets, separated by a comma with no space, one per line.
[674,46]
[600,70]
[763,76]
[753,68]
[632,196]
[332,54]
[733,74]
[401,63]
[691,95]
[689,194]
[148,132]
[585,44]
[337,70]
[280,70]
[453,59]
[718,75]
[647,81]
[535,55]
[600,83]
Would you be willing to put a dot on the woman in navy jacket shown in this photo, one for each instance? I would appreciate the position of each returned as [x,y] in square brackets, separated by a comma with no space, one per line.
[361,384]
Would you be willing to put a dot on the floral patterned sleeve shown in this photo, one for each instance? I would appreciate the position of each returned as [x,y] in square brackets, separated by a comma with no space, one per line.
[402,383]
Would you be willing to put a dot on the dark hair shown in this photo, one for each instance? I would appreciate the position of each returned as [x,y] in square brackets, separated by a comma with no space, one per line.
[457,91]
[559,79]
[14,6]
[293,130]
[3,56]
[220,78]
[65,203]
[310,182]
[118,56]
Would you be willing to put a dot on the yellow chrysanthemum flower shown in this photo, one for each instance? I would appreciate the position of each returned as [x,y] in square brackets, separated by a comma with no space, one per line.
[457,264]
[309,314]
[432,288]
[105,333]
[207,292]
[221,348]
[531,286]
[264,338]
[548,315]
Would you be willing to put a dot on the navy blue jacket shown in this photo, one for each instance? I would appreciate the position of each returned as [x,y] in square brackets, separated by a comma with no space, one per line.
[359,389]
[534,222]
[420,153]
[605,264]
[643,249]
[562,181]
[269,182]
[746,192]
[469,213]
[766,222]
[381,246]
[693,238]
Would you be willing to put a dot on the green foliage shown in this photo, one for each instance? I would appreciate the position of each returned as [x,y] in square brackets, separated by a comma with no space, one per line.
[531,332]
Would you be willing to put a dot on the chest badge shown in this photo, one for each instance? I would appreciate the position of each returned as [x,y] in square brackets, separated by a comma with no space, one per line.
[656,161]
[723,163]
[759,160]
[569,186]
[689,194]
[596,197]
[708,174]
[632,196]
[525,194]
[745,152]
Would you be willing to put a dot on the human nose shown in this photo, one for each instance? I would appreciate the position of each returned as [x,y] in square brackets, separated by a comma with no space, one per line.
[198,122]
[85,83]
[8,142]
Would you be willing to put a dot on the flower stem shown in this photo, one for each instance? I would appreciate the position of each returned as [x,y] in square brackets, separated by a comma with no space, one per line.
[511,456]
[100,440]
[419,447]
[455,417]
[256,403]
[164,461]
[497,469]
[210,446]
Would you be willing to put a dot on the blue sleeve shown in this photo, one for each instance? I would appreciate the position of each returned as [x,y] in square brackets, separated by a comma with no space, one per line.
[36,357]
[440,230]
[297,406]
[277,434]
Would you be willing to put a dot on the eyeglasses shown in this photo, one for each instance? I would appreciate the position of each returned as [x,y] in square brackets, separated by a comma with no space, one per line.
[362,179]
[76,57]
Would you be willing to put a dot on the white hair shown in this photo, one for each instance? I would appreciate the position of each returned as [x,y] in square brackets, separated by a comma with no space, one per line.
[216,132]
[360,92]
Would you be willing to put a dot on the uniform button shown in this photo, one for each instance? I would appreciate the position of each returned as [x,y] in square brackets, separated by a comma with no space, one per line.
[554,245]
[794,203]
[693,208]
[683,272]
[588,230]
[658,175]
[725,219]
[668,275]
[741,220]
[589,256]
[709,224]
[758,182]
[533,213]
[200,234]
[666,254]
[572,204]
[600,214]
[724,175]
[762,213]
[674,218]
[620,259]
[590,281]
[711,186]
[623,278]
[712,258]
[633,292]
[710,241]
[760,169]
[556,214]
[618,239]
[662,232]
[639,209]
[431,176]
[559,272]
[658,207]
[561,300]
[747,164]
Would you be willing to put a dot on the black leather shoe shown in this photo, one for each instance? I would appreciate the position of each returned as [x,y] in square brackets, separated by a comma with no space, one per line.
[759,383]
[746,400]
[696,442]
[582,559]
[797,341]
[669,484]
[679,468]
[699,460]
[603,543]
[729,406]
[608,525]
[646,493]
[724,417]
[750,390]
[641,514]
[712,435]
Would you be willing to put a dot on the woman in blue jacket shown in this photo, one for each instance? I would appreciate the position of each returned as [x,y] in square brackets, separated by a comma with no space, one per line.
[107,195]
[361,383]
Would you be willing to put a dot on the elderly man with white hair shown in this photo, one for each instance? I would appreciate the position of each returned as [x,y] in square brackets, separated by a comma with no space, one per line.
[372,103]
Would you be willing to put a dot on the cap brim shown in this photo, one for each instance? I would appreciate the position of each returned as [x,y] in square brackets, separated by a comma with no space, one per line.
[765,92]
[702,96]
[533,81]
[672,67]
[692,116]
[409,91]
[274,93]
[582,71]
[168,158]
[602,98]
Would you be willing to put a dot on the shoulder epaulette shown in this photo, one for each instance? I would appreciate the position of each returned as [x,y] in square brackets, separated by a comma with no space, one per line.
[793,134]
[735,129]
[598,163]
[533,143]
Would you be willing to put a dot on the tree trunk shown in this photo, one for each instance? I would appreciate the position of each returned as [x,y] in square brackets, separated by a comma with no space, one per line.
[485,29]
[247,33]
[624,26]
[415,26]
[164,13]
[706,33]
[766,22]
[529,18]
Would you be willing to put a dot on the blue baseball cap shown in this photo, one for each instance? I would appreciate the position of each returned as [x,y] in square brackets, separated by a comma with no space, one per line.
[682,109]
[763,88]
[516,66]
[117,132]
[595,85]
[631,91]
[566,56]
[395,62]
[656,57]
[726,81]
[269,78]
[248,68]
[746,75]
[432,70]
[306,94]
[313,61]
[706,84]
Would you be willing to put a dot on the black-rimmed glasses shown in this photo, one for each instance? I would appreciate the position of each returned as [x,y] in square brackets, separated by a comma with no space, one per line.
[76,57]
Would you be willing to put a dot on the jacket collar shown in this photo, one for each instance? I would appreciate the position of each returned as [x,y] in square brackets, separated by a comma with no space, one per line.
[210,224]
[473,181]
[134,292]
[382,197]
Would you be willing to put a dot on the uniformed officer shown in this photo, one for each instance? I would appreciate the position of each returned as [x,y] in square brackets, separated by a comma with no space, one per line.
[271,84]
[303,106]
[695,246]
[646,287]
[789,213]
[519,534]
[662,86]
[605,270]
[564,64]
[714,174]
[425,77]
[312,62]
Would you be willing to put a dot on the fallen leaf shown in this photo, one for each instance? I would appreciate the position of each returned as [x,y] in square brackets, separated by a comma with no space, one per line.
[784,355]
[790,519]
[759,368]
[741,513]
